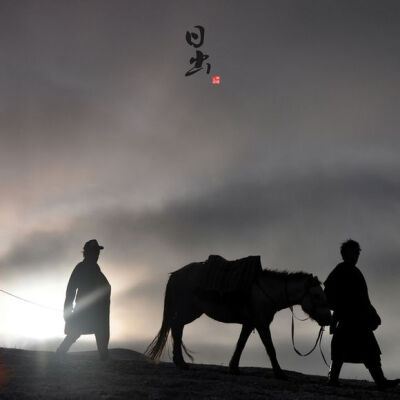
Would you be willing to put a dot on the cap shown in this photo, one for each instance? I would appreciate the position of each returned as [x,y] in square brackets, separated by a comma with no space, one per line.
[93,244]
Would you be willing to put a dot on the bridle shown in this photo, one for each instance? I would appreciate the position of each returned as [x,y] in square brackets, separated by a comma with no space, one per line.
[318,341]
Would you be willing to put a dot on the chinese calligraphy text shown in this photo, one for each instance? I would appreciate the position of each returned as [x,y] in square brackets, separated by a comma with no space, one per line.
[196,40]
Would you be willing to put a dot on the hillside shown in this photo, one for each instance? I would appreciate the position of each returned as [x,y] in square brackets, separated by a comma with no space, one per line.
[35,375]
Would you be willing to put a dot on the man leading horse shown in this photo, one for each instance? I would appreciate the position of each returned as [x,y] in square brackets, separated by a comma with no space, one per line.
[354,319]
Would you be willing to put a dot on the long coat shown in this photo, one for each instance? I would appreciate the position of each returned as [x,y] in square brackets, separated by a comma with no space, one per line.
[91,291]
[353,339]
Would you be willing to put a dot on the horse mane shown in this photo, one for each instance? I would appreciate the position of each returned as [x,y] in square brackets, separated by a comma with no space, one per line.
[274,273]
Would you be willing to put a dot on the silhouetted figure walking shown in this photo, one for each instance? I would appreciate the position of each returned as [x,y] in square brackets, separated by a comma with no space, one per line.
[91,291]
[354,319]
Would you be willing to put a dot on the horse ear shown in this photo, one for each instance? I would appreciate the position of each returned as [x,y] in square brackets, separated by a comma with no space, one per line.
[317,281]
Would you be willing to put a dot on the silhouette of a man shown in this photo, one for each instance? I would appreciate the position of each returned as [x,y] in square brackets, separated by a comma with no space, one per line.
[90,290]
[354,319]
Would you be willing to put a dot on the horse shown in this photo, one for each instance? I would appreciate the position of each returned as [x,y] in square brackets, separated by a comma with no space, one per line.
[270,292]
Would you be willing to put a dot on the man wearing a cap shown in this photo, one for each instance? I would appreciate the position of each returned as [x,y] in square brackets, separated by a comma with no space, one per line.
[90,290]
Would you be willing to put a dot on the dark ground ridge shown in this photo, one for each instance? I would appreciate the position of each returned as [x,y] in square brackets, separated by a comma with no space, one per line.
[26,374]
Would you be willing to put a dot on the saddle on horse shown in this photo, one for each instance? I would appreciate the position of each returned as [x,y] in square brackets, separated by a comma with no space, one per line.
[223,276]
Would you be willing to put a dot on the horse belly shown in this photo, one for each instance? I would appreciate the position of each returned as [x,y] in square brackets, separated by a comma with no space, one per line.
[224,315]
[222,309]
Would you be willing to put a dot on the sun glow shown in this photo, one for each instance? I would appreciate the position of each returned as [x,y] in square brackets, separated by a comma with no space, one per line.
[23,323]
[21,319]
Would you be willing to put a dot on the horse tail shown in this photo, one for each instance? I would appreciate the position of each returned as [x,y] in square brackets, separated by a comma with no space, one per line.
[156,347]
[187,352]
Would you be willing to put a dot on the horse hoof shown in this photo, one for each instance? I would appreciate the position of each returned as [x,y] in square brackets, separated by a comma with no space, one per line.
[234,370]
[333,383]
[281,376]
[182,366]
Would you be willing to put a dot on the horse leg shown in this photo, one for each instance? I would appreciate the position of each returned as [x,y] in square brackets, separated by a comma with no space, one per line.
[265,335]
[177,331]
[244,335]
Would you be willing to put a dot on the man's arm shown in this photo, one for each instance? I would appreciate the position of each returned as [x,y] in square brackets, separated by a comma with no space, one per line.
[331,292]
[70,294]
[368,313]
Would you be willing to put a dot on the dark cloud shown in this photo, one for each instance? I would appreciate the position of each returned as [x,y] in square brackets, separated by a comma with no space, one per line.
[35,251]
[236,219]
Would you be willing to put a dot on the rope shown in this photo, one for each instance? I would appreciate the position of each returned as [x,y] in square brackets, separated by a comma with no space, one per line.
[30,302]
[316,342]
[320,349]
[299,319]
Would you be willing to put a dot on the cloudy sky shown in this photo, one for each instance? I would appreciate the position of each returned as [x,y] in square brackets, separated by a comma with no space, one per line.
[102,136]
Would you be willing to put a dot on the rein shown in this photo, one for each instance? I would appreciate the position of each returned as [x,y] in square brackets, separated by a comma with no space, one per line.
[318,342]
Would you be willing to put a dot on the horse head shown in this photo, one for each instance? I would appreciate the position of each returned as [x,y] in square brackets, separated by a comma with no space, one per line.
[315,303]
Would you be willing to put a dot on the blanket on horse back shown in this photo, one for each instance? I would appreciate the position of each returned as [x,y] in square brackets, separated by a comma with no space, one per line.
[223,276]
